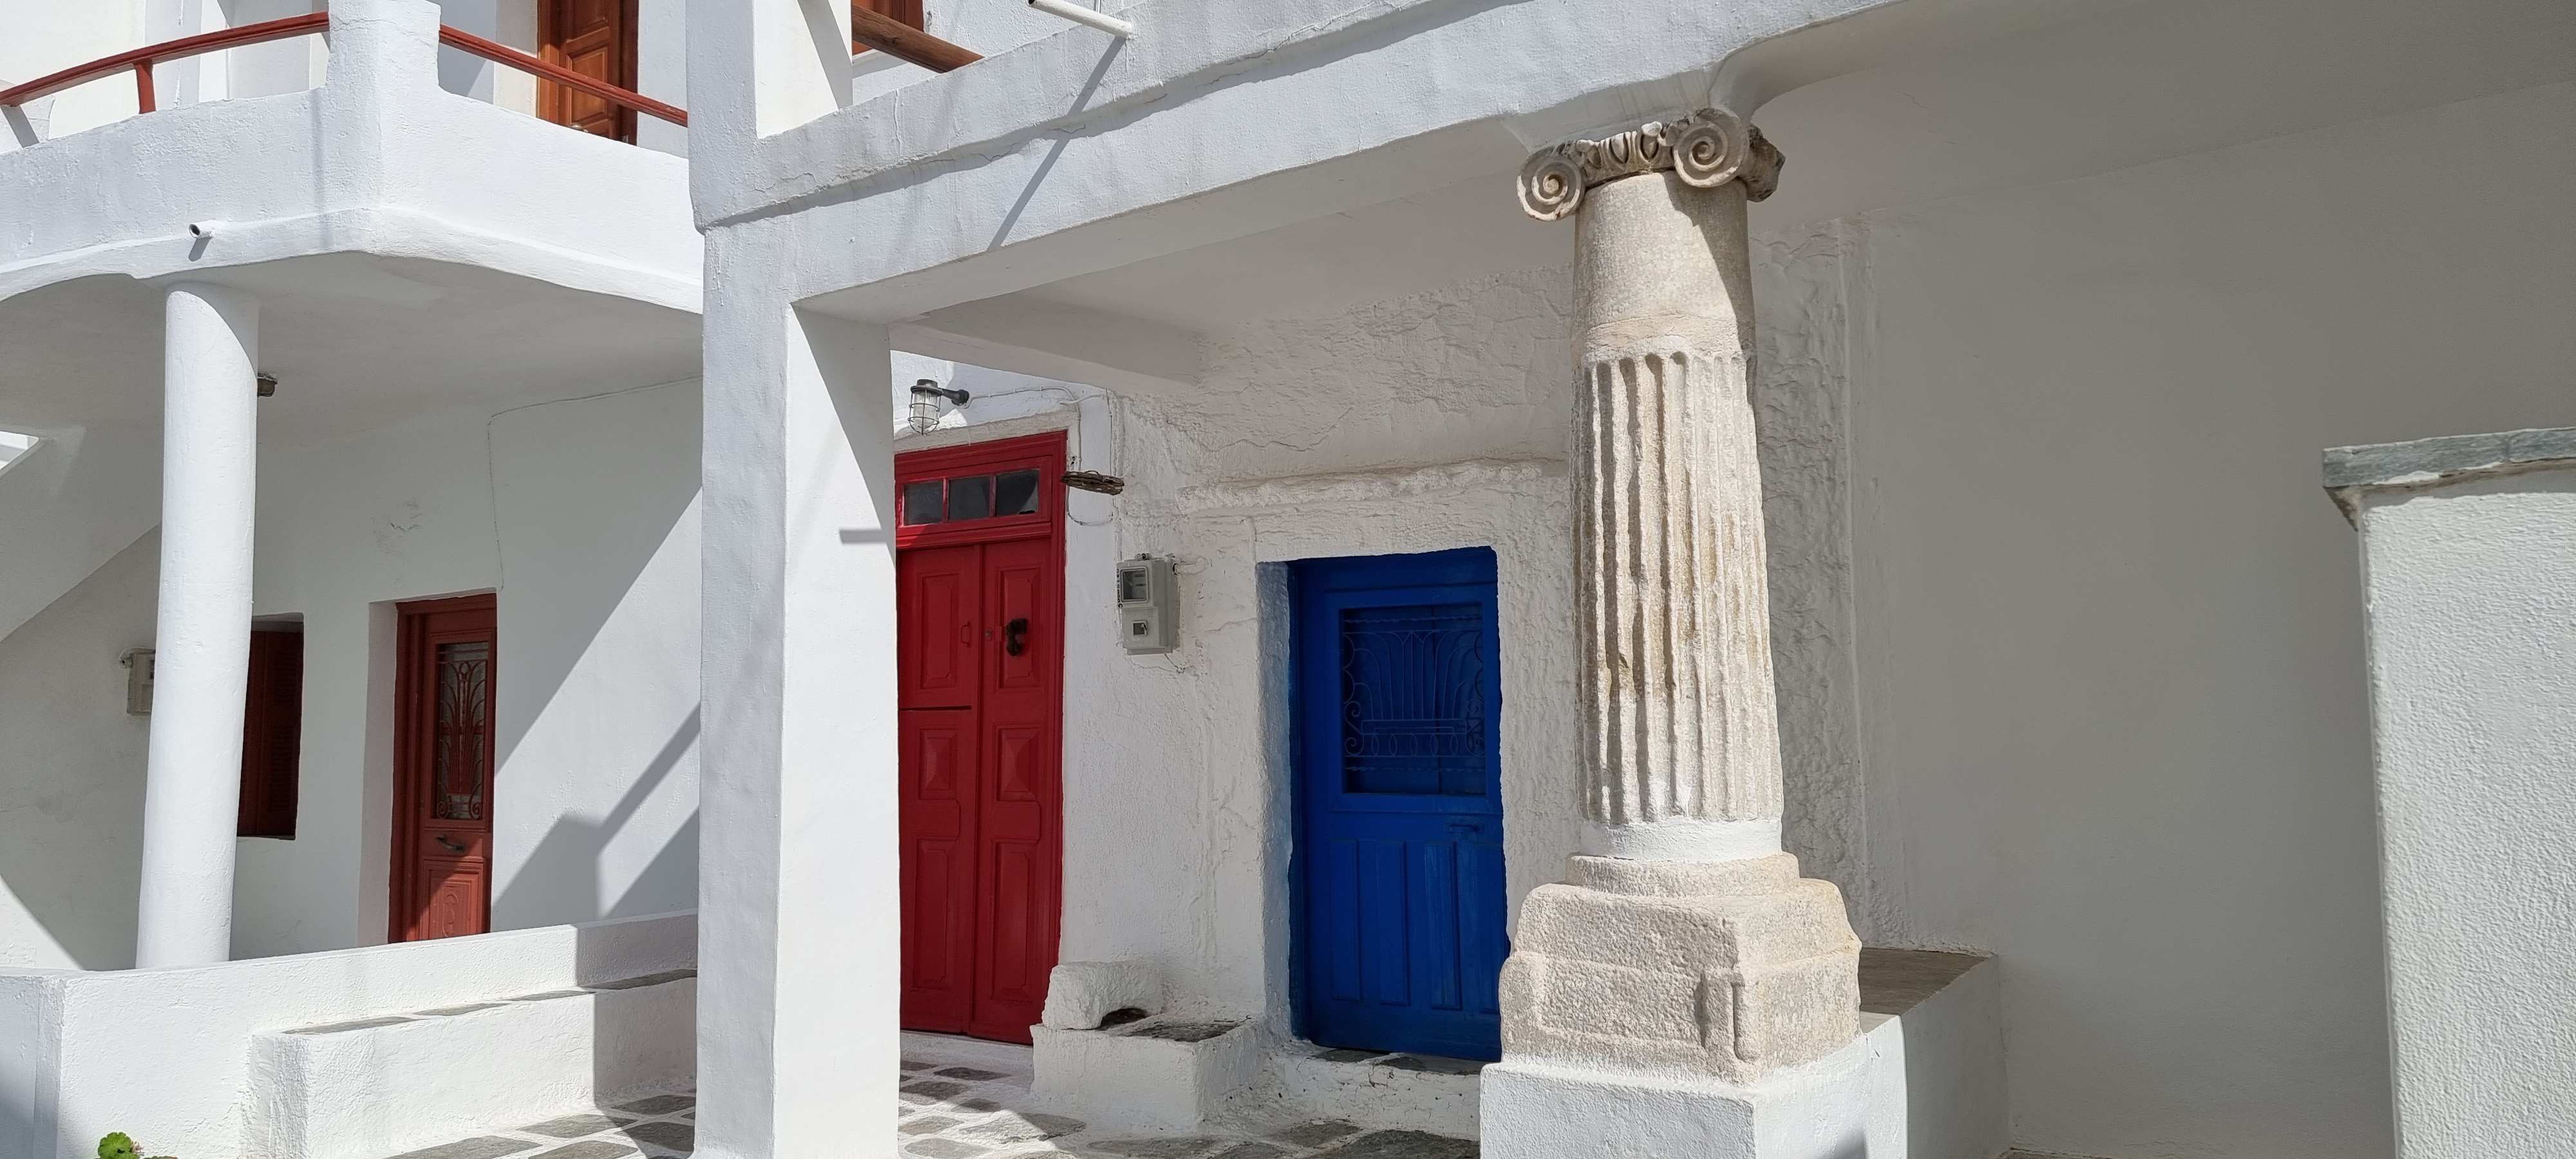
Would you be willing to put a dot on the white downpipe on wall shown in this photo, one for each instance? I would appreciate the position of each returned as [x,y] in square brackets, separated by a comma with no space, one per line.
[209,448]
[1078,14]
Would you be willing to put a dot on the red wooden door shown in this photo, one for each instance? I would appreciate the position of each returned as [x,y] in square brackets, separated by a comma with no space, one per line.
[979,580]
[442,825]
[595,38]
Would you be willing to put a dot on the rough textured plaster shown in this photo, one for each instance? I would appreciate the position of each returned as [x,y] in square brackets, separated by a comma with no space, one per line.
[1802,404]
[1415,424]
[2471,586]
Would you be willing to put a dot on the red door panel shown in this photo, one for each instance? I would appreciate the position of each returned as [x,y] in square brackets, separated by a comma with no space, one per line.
[980,668]
[939,894]
[939,646]
[452,898]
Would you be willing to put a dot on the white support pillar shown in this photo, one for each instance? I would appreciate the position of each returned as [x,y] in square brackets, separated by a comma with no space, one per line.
[201,641]
[2468,554]
[1684,991]
[798,880]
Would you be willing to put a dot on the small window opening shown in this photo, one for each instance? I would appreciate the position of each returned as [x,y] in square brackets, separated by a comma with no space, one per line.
[272,730]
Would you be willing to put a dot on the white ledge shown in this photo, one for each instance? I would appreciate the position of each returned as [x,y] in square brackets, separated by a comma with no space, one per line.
[1363,486]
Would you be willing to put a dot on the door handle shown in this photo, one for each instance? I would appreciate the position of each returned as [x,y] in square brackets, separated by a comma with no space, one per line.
[1015,636]
[452,847]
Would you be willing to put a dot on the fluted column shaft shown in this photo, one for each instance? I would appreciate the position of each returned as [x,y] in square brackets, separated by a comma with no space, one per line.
[1682,740]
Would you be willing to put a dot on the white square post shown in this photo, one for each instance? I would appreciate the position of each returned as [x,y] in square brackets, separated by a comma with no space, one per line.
[800,905]
[2468,551]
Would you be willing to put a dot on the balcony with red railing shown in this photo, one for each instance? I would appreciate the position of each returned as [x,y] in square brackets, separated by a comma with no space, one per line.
[141,64]
[591,99]
[377,152]
[410,245]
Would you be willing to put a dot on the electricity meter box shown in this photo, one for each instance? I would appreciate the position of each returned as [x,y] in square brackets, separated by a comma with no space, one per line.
[1149,605]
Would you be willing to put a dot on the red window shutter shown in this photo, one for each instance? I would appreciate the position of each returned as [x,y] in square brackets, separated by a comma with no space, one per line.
[272,734]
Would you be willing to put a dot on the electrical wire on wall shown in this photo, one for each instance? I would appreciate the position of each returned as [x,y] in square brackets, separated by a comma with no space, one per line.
[1074,460]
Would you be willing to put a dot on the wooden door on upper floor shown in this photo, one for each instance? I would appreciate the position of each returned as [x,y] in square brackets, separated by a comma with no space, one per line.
[443,764]
[905,12]
[595,38]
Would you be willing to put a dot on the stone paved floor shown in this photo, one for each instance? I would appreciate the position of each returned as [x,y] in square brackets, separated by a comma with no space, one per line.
[952,1109]
[658,1127]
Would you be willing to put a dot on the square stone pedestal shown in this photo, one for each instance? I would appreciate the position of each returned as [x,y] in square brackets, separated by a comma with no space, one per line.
[1167,1073]
[1848,1105]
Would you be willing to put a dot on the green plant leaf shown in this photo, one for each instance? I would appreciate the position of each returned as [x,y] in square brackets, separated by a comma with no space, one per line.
[117,1146]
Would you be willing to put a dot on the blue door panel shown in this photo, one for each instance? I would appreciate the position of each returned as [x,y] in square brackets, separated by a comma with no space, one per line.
[1383,960]
[1398,862]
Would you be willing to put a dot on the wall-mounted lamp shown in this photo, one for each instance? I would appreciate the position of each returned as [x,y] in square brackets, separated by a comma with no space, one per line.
[927,407]
[1122,29]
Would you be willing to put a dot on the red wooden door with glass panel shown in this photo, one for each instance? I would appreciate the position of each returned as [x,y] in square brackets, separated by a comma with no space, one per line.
[443,757]
[595,38]
[980,599]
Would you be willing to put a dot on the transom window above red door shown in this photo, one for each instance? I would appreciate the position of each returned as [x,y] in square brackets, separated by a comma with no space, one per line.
[967,498]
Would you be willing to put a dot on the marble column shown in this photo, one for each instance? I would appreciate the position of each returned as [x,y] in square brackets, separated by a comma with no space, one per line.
[201,637]
[1683,943]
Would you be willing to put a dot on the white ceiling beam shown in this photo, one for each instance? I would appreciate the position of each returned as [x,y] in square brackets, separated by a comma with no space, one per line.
[1015,332]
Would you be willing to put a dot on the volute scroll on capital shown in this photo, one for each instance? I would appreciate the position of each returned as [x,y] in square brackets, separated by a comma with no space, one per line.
[1706,149]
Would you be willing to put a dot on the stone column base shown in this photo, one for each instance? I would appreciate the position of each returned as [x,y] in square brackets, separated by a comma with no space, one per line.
[1848,1105]
[1726,969]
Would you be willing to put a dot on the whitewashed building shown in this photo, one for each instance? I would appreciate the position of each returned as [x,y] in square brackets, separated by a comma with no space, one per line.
[1569,579]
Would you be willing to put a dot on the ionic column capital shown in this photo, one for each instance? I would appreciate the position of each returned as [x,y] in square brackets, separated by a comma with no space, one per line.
[1708,148]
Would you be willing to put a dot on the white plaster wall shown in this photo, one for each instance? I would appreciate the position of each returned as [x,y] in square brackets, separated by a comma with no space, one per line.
[1170,772]
[71,771]
[67,505]
[597,501]
[2472,590]
[2111,681]
[47,37]
[281,66]
[344,530]
[581,514]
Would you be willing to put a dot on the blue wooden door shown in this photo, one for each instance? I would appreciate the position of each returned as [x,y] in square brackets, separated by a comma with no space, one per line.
[1399,857]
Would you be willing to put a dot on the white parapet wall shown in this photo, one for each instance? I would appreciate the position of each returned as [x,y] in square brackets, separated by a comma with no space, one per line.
[2468,549]
[259,1058]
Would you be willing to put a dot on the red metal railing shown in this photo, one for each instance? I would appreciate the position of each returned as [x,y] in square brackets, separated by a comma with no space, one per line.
[141,61]
[505,55]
